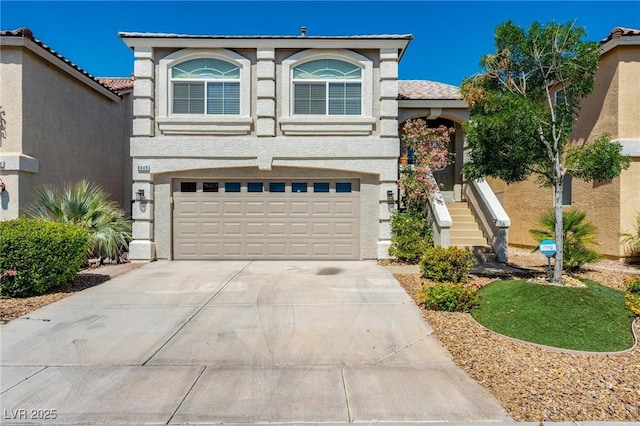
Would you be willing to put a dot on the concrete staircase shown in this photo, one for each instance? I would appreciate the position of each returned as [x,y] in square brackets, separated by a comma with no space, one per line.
[466,233]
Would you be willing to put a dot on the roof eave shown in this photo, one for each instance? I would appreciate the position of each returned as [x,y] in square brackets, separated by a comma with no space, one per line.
[147,41]
[48,56]
[633,40]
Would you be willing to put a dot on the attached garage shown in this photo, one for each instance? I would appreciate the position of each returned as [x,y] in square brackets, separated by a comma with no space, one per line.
[266,219]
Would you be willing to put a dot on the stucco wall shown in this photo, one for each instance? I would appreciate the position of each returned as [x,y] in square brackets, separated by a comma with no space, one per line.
[72,131]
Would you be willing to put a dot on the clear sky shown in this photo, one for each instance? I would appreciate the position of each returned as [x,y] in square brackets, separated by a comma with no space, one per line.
[449,36]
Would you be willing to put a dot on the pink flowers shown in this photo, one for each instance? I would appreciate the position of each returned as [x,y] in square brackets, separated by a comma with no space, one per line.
[430,147]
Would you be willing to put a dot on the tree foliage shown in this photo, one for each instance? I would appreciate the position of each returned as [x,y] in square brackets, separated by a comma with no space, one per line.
[523,107]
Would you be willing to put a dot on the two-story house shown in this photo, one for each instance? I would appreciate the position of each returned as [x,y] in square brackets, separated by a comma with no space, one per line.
[264,147]
[59,125]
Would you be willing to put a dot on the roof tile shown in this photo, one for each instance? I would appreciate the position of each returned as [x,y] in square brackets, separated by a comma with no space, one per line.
[425,89]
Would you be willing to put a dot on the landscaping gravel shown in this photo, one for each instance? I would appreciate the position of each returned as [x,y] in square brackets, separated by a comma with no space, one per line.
[542,384]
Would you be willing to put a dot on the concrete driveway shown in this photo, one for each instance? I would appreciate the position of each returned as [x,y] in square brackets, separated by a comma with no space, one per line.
[235,342]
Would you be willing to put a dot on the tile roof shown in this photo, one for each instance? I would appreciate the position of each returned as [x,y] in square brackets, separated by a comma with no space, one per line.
[117,83]
[620,32]
[28,34]
[425,89]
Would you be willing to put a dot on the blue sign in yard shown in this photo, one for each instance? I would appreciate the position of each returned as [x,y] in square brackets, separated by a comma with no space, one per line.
[548,247]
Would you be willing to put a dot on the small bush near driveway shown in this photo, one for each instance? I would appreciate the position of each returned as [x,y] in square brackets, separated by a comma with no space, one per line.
[450,264]
[448,297]
[38,255]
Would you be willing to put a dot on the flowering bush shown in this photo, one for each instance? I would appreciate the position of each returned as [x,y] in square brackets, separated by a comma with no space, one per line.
[633,302]
[448,297]
[632,283]
[431,152]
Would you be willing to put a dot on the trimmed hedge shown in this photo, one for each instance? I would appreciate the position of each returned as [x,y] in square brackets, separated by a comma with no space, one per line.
[450,264]
[38,255]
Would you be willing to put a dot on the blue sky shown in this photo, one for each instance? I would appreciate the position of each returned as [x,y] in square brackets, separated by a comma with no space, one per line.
[449,36]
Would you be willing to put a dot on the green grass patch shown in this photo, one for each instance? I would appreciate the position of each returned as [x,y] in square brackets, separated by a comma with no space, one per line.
[594,318]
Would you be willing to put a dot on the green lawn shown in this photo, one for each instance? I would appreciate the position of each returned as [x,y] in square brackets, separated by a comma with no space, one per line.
[590,319]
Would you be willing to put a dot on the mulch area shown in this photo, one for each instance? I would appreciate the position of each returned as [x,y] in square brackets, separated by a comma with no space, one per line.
[11,308]
[535,383]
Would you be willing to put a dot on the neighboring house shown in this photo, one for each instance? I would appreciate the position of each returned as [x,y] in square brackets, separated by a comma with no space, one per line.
[614,108]
[60,125]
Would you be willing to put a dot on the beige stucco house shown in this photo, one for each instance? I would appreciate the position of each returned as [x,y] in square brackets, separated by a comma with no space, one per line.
[59,124]
[614,108]
[272,147]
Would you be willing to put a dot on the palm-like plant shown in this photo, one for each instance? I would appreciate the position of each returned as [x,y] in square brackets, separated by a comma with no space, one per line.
[88,205]
[579,237]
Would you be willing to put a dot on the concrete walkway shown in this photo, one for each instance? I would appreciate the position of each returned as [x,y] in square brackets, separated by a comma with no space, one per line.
[235,342]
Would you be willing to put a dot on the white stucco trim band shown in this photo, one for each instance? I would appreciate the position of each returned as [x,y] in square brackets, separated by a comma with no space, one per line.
[19,162]
[327,126]
[196,125]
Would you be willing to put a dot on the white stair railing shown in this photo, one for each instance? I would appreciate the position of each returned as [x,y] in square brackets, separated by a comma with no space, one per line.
[492,217]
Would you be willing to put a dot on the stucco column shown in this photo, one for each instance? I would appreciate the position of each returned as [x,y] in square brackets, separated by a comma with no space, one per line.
[266,93]
[388,130]
[142,248]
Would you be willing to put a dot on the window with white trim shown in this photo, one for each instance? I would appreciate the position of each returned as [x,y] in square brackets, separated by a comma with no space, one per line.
[205,86]
[327,87]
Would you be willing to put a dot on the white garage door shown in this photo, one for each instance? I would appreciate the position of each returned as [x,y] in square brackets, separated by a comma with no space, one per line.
[261,219]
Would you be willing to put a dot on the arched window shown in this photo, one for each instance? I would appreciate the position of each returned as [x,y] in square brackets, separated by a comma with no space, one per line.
[327,87]
[205,86]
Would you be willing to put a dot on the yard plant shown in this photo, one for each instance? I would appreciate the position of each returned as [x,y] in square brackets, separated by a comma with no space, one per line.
[39,255]
[87,205]
[593,318]
[448,297]
[411,235]
[451,264]
[578,234]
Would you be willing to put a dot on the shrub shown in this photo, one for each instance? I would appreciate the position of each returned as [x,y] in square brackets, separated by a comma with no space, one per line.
[38,255]
[633,302]
[632,283]
[632,239]
[446,265]
[88,205]
[410,235]
[579,236]
[448,297]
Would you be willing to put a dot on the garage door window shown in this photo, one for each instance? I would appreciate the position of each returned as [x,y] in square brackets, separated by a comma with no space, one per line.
[254,187]
[232,187]
[299,187]
[210,187]
[343,187]
[276,186]
[187,187]
[321,187]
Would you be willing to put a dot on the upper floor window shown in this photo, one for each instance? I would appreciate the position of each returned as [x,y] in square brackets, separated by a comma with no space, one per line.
[327,87]
[205,86]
